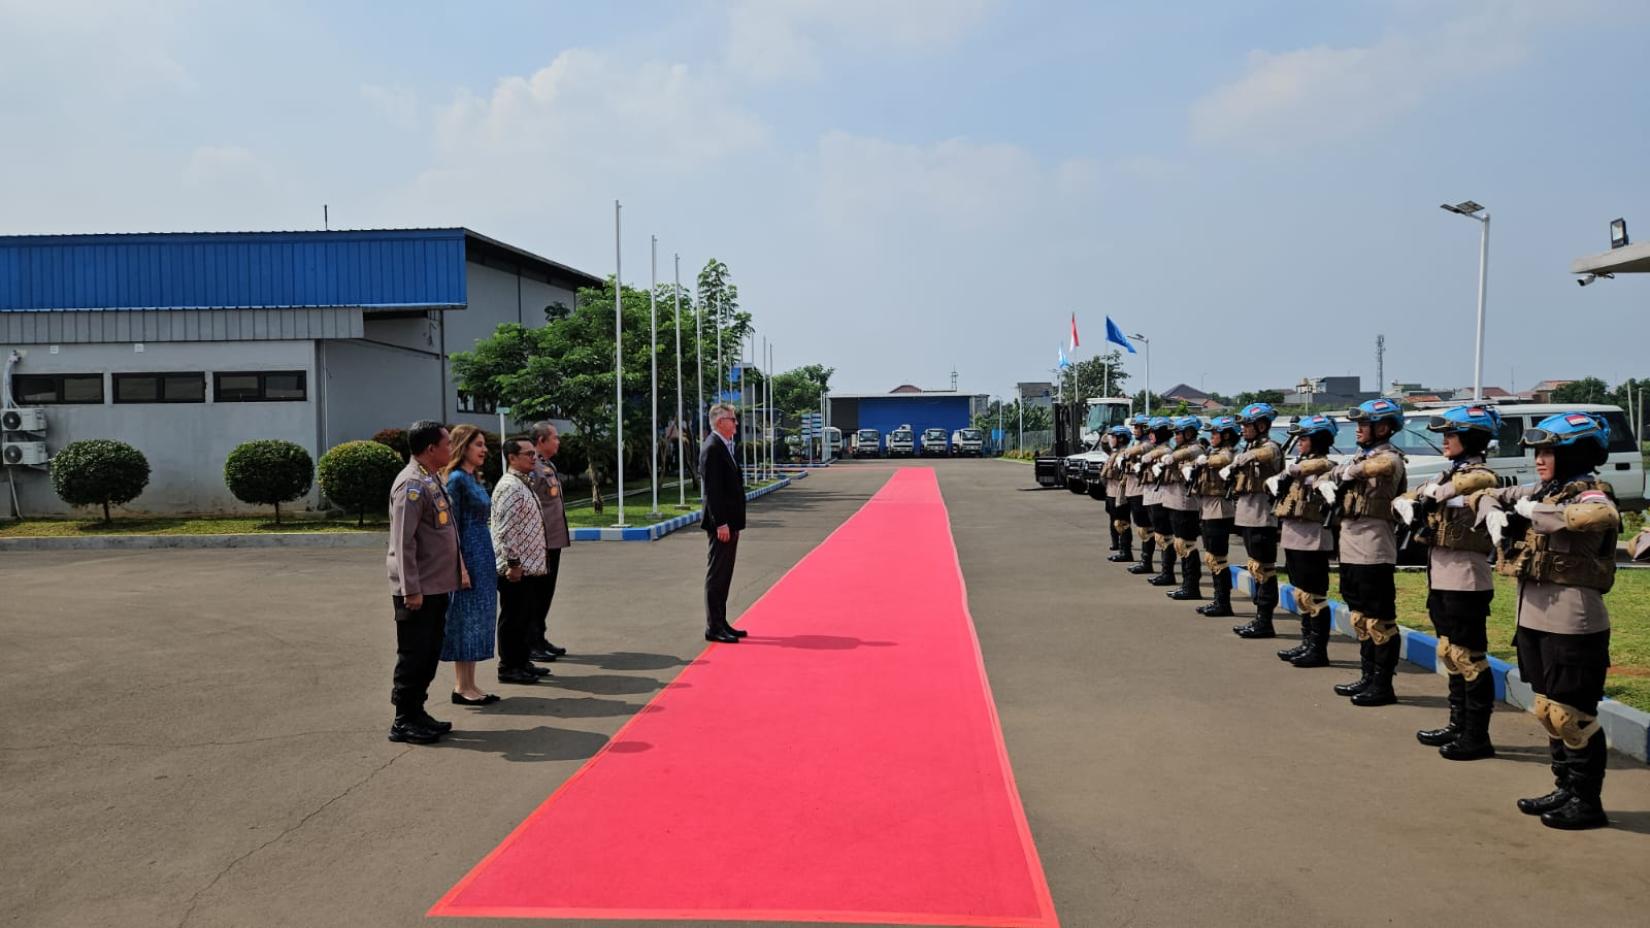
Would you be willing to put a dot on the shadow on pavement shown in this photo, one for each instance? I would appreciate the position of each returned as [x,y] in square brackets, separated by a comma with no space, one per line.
[605,684]
[625,660]
[527,744]
[817,642]
[581,707]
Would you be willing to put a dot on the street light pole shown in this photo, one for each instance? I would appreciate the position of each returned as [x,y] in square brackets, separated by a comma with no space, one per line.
[618,360]
[1148,343]
[681,426]
[1470,209]
[653,361]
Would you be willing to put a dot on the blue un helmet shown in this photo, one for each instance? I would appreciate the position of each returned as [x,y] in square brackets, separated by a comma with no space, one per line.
[1469,418]
[1315,424]
[1140,421]
[1185,423]
[1121,431]
[1255,412]
[1159,422]
[1378,410]
[1228,423]
[1567,429]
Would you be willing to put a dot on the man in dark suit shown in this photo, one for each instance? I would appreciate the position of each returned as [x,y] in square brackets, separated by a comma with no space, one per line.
[724,519]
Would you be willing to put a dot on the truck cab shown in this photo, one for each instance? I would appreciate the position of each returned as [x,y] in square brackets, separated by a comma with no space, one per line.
[966,442]
[902,442]
[933,443]
[1081,470]
[867,443]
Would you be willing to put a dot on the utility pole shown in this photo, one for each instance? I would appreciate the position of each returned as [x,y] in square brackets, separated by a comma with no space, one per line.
[1380,364]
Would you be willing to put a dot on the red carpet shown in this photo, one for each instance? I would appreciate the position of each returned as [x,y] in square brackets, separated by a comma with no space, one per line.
[843,764]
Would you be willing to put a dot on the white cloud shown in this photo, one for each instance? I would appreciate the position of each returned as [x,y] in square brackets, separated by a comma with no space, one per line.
[771,39]
[99,49]
[398,106]
[1327,94]
[866,182]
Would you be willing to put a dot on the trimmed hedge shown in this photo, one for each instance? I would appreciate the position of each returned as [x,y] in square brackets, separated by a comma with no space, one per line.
[99,471]
[358,475]
[269,471]
[396,440]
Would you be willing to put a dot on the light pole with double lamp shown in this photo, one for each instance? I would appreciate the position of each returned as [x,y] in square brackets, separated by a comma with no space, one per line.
[1471,210]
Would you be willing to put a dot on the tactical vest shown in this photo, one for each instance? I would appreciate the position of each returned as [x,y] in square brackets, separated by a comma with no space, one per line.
[1363,501]
[1591,564]
[1453,526]
[1252,477]
[1301,502]
[1209,482]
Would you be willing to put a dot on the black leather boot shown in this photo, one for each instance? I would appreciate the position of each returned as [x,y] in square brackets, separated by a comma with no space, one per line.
[1125,549]
[1561,784]
[1317,650]
[1586,778]
[1113,539]
[1366,672]
[1165,577]
[1146,548]
[1289,654]
[1380,692]
[1479,701]
[1437,737]
[1259,627]
[1191,580]
[1221,580]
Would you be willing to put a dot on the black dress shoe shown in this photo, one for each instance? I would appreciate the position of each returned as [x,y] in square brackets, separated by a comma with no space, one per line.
[517,675]
[559,652]
[722,637]
[736,632]
[1547,803]
[434,724]
[486,699]
[537,671]
[542,655]
[413,731]
[1576,815]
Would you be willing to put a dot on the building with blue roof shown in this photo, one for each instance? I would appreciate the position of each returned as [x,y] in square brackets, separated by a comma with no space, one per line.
[184,345]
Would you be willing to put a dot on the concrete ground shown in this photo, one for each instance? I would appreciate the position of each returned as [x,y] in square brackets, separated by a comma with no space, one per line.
[196,738]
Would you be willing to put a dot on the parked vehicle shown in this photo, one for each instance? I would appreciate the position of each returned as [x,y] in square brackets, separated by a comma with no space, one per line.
[867,443]
[833,441]
[902,442]
[966,442]
[933,443]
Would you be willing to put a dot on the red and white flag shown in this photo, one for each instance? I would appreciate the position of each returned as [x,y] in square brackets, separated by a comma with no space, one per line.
[1074,341]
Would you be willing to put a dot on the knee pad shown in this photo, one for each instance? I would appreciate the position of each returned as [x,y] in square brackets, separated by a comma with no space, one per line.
[1461,661]
[1121,526]
[1360,625]
[1184,548]
[1308,603]
[1382,631]
[1214,562]
[1566,723]
[1261,572]
[1141,533]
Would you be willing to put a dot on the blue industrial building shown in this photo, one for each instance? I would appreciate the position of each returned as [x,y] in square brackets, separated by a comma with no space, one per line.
[906,405]
[187,344]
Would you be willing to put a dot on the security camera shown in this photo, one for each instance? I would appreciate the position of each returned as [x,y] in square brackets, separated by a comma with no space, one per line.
[1592,277]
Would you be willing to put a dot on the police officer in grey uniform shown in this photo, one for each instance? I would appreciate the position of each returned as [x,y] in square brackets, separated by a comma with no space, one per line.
[1212,492]
[1260,461]
[547,487]
[425,569]
[1307,544]
[1184,509]
[1364,488]
[1563,553]
[1134,491]
[1117,505]
[1460,583]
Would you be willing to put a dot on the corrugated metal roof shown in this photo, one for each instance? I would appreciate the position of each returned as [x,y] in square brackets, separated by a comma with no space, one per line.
[233,270]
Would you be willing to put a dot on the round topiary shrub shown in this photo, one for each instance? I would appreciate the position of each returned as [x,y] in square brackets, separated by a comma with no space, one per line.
[269,471]
[396,439]
[99,471]
[358,475]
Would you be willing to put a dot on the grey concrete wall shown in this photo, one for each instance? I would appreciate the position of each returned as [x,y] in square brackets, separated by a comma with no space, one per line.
[372,387]
[186,443]
[495,297]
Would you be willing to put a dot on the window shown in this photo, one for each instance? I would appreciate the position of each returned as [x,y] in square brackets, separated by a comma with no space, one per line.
[468,402]
[258,386]
[1507,446]
[160,388]
[56,389]
[1621,433]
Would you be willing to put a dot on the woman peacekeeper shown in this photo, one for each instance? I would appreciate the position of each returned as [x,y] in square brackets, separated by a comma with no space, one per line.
[1460,583]
[1158,431]
[1218,510]
[1184,509]
[1134,490]
[1306,543]
[1117,504]
[1260,461]
[1562,550]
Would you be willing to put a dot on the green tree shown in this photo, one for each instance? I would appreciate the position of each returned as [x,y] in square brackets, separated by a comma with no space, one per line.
[358,475]
[97,471]
[1258,396]
[798,390]
[1585,390]
[268,471]
[1102,375]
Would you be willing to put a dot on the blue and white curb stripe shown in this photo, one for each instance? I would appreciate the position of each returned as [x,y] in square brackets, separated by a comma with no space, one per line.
[659,530]
[1626,728]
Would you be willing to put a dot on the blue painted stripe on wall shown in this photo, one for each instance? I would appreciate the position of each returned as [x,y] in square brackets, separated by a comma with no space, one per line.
[393,267]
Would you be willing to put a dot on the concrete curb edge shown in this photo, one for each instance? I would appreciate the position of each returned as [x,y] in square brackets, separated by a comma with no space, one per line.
[1626,728]
[659,530]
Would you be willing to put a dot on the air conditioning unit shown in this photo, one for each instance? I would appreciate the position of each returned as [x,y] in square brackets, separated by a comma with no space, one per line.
[23,420]
[23,452]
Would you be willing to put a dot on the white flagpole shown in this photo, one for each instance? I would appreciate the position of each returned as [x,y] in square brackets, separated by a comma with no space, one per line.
[618,358]
[699,355]
[653,359]
[767,408]
[681,427]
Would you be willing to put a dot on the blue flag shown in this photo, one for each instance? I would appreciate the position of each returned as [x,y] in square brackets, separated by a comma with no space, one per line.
[1063,362]
[1116,336]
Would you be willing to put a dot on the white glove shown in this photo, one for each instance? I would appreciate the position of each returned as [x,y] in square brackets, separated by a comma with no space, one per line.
[1202,459]
[1186,471]
[1326,489]
[1157,470]
[1226,472]
[1405,509]
[1272,483]
[1525,507]
[1433,490]
[1496,521]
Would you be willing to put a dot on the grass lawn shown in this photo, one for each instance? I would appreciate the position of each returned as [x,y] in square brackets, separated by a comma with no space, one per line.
[634,515]
[1629,604]
[37,528]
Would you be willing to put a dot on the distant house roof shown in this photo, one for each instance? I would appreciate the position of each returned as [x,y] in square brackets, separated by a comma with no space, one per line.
[1184,392]
[1548,385]
[906,388]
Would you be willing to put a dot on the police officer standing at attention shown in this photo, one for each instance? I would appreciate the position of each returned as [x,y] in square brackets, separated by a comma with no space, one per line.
[1306,543]
[1117,505]
[1460,584]
[1260,461]
[425,569]
[1182,507]
[1134,490]
[1217,510]
[1151,474]
[546,484]
[1563,554]
[1364,488]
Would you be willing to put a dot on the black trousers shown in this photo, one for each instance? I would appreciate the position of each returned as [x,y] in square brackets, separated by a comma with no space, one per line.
[1569,669]
[1140,512]
[518,609]
[1162,520]
[719,579]
[1308,570]
[1461,616]
[1217,536]
[546,587]
[1261,544]
[1186,524]
[418,636]
[1370,589]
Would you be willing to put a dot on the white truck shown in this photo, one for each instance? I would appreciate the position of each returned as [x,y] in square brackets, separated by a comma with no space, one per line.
[1082,469]
[902,442]
[867,443]
[933,443]
[967,442]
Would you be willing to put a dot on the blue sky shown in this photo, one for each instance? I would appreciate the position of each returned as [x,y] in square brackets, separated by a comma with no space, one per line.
[903,188]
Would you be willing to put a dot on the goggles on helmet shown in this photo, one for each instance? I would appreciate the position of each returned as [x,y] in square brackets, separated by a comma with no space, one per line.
[1381,410]
[1467,419]
[1567,429]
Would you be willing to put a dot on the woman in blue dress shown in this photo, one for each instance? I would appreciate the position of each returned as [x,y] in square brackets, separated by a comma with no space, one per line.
[472,612]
